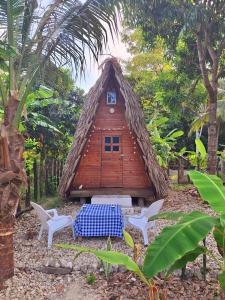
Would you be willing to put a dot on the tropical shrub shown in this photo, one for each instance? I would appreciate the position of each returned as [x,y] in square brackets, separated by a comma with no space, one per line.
[198,158]
[163,146]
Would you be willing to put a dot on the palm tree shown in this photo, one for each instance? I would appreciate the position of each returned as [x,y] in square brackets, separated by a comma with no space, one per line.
[32,38]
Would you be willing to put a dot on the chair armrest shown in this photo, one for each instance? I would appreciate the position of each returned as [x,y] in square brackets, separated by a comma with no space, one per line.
[143,210]
[57,218]
[52,212]
[136,217]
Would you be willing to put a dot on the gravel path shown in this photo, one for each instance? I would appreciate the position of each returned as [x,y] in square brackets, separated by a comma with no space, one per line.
[31,284]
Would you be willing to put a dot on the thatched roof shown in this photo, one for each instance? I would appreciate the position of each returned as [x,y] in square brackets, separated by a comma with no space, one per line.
[135,119]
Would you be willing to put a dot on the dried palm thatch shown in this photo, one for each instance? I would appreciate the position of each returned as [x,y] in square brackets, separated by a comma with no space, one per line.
[135,119]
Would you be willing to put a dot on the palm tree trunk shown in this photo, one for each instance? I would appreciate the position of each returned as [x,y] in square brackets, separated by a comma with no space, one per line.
[212,137]
[6,249]
[12,176]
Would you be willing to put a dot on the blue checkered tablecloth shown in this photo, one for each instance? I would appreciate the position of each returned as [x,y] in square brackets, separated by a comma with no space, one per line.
[99,220]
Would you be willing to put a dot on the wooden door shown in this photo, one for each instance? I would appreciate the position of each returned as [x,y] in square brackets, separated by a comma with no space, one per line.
[112,159]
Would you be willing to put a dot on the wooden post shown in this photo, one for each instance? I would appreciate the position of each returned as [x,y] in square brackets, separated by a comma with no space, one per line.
[53,174]
[46,176]
[183,273]
[35,170]
[204,269]
[42,173]
[28,194]
[180,176]
[57,173]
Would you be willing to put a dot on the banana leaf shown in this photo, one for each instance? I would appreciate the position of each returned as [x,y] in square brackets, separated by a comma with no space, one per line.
[188,257]
[210,188]
[176,241]
[112,257]
[221,278]
[170,215]
[128,239]
[201,148]
[219,236]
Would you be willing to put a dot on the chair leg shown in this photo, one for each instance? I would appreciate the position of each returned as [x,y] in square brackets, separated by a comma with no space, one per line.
[73,231]
[145,235]
[154,229]
[40,232]
[50,237]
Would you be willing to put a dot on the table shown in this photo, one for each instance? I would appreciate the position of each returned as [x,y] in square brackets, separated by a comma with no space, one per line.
[99,220]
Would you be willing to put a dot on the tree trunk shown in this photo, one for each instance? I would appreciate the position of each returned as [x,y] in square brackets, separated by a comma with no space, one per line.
[211,84]
[12,176]
[180,177]
[35,171]
[46,175]
[6,249]
[212,137]
[28,192]
[42,173]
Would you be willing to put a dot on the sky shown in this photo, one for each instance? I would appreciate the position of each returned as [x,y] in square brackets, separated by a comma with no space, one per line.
[115,48]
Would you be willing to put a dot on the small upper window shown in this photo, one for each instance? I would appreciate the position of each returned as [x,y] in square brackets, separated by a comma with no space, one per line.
[111,97]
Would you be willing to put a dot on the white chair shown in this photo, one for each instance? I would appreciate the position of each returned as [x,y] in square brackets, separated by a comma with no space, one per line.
[141,221]
[51,221]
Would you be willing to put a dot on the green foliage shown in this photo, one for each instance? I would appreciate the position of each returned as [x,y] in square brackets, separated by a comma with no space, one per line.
[32,46]
[176,241]
[51,202]
[171,215]
[211,189]
[128,239]
[193,36]
[221,278]
[165,92]
[188,257]
[198,158]
[163,146]
[90,278]
[219,236]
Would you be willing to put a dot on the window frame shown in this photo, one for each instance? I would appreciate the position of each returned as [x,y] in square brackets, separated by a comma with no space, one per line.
[107,98]
[112,144]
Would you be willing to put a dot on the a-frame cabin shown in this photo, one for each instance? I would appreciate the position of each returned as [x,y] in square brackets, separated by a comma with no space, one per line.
[111,152]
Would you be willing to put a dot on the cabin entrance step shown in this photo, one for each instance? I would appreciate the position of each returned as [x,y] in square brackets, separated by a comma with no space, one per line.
[123,200]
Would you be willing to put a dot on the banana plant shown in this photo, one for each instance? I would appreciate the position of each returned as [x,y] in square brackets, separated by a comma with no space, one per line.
[163,146]
[198,158]
[180,243]
[42,97]
[119,258]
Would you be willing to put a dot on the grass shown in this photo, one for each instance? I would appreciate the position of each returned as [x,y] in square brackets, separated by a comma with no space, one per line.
[181,187]
[51,202]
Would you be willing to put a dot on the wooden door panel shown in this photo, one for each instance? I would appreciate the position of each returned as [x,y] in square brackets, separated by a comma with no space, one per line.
[112,164]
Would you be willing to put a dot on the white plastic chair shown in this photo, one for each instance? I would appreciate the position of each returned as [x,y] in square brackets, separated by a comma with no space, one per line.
[51,221]
[141,221]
